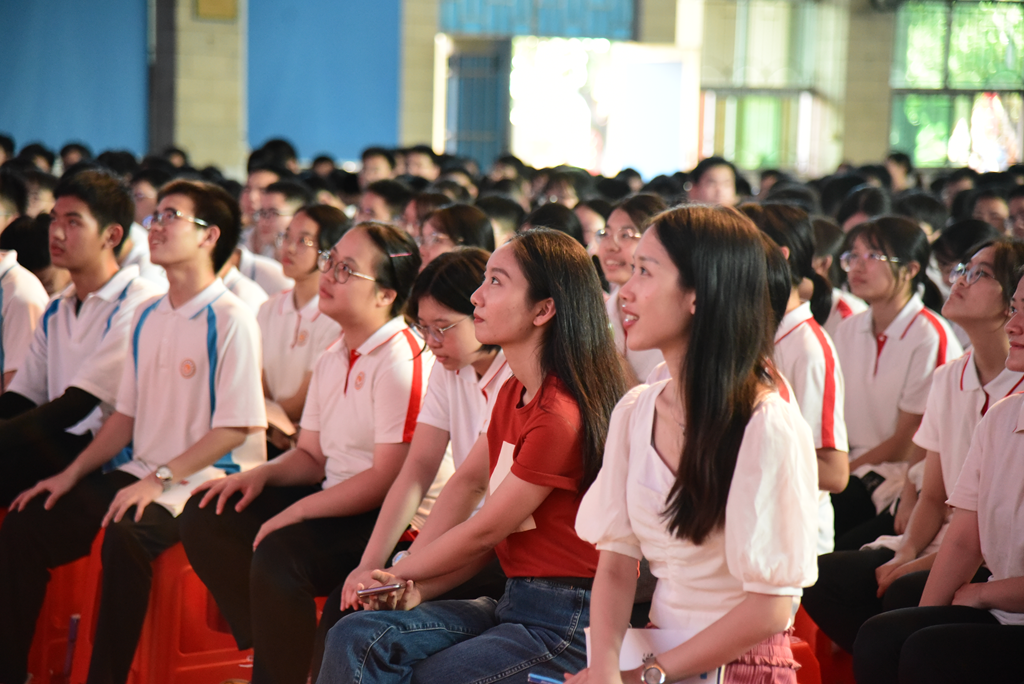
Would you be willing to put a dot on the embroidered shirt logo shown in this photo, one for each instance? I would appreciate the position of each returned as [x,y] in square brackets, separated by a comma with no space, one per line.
[360,379]
[188,368]
[303,338]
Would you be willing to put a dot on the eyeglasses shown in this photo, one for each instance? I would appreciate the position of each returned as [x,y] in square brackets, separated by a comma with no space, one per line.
[162,218]
[431,240]
[303,241]
[847,260]
[340,271]
[435,332]
[971,275]
[618,237]
[269,214]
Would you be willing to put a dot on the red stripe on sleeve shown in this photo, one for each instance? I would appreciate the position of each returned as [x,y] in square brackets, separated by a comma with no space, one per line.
[828,399]
[416,391]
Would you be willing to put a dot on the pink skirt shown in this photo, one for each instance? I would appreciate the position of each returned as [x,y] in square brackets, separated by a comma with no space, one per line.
[769,662]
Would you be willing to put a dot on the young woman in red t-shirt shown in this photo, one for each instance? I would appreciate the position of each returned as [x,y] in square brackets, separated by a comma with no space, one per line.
[541,301]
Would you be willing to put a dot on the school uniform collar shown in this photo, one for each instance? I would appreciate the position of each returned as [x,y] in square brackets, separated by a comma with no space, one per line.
[200,301]
[497,364]
[111,289]
[998,387]
[900,324]
[231,277]
[791,320]
[382,335]
[310,311]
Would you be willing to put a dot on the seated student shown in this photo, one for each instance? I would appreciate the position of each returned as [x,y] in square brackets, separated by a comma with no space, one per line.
[615,246]
[378,164]
[541,301]
[22,301]
[557,217]
[66,384]
[145,185]
[711,474]
[593,215]
[418,208]
[806,356]
[714,182]
[261,175]
[189,395]
[278,204]
[828,243]
[40,187]
[464,385]
[383,200]
[967,631]
[13,197]
[888,354]
[990,205]
[421,161]
[506,216]
[269,541]
[861,204]
[454,226]
[857,584]
[293,328]
[1016,204]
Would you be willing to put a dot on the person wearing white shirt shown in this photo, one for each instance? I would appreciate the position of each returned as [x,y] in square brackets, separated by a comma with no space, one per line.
[456,411]
[615,245]
[890,572]
[963,630]
[266,272]
[22,301]
[189,396]
[266,542]
[888,354]
[295,332]
[67,381]
[278,203]
[135,252]
[710,475]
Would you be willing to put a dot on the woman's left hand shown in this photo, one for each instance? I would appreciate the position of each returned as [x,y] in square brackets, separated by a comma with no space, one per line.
[139,494]
[970,595]
[406,598]
[288,516]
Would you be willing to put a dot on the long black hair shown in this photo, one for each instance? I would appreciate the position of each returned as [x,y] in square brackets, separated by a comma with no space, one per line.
[578,347]
[790,227]
[721,256]
[902,239]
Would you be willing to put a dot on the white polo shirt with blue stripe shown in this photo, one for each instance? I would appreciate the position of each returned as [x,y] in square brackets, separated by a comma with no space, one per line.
[189,370]
[86,349]
[22,302]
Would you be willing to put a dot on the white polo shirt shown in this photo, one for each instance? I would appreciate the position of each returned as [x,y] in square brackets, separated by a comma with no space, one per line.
[85,350]
[292,341]
[264,271]
[367,396]
[891,372]
[844,305]
[806,357]
[245,289]
[992,483]
[22,302]
[642,362]
[139,256]
[189,370]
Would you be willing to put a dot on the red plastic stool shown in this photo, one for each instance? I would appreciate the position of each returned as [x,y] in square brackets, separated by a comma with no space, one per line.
[184,639]
[835,664]
[809,672]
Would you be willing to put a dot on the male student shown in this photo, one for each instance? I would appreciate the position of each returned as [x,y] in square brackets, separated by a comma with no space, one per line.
[189,396]
[22,301]
[67,381]
[383,200]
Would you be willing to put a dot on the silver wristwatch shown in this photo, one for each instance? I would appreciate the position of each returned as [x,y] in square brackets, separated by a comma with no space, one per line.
[652,672]
[165,476]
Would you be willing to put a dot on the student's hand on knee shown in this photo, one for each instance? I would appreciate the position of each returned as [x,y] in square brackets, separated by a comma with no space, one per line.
[250,484]
[139,494]
[57,486]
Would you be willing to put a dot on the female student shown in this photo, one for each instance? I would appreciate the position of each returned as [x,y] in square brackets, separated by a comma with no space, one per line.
[711,474]
[294,330]
[828,245]
[448,228]
[806,356]
[857,584]
[541,302]
[967,631]
[888,354]
[463,386]
[268,541]
[615,246]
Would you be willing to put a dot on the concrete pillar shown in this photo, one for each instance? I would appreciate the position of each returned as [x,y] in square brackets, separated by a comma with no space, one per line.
[866,108]
[416,97]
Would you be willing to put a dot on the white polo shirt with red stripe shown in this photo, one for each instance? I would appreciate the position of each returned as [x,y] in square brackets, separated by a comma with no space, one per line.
[806,357]
[891,372]
[22,302]
[844,305]
[86,349]
[190,370]
[367,396]
[292,341]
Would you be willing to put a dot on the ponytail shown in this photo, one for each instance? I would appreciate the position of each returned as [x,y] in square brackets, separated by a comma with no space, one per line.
[821,298]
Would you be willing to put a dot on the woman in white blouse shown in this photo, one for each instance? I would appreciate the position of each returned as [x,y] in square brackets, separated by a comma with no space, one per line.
[711,475]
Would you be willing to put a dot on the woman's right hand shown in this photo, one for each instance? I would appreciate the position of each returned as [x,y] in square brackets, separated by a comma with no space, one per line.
[359,578]
[406,598]
[250,483]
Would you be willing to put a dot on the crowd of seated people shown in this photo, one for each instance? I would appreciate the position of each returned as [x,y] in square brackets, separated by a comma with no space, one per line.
[472,407]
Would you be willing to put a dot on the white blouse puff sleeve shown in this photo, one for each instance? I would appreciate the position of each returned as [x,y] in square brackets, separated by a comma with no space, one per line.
[769,542]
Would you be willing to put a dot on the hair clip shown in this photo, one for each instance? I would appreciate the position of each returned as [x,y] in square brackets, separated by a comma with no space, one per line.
[400,254]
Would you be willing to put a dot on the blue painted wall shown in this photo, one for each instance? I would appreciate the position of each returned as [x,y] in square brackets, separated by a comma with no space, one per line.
[612,19]
[74,70]
[324,74]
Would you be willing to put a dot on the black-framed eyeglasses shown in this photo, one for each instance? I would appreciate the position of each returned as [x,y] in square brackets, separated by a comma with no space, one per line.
[162,218]
[340,271]
[434,331]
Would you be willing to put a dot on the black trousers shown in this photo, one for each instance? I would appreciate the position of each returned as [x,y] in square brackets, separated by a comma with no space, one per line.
[488,582]
[938,645]
[267,596]
[33,456]
[36,540]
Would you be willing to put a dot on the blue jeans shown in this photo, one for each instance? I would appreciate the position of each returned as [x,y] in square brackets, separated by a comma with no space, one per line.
[537,626]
